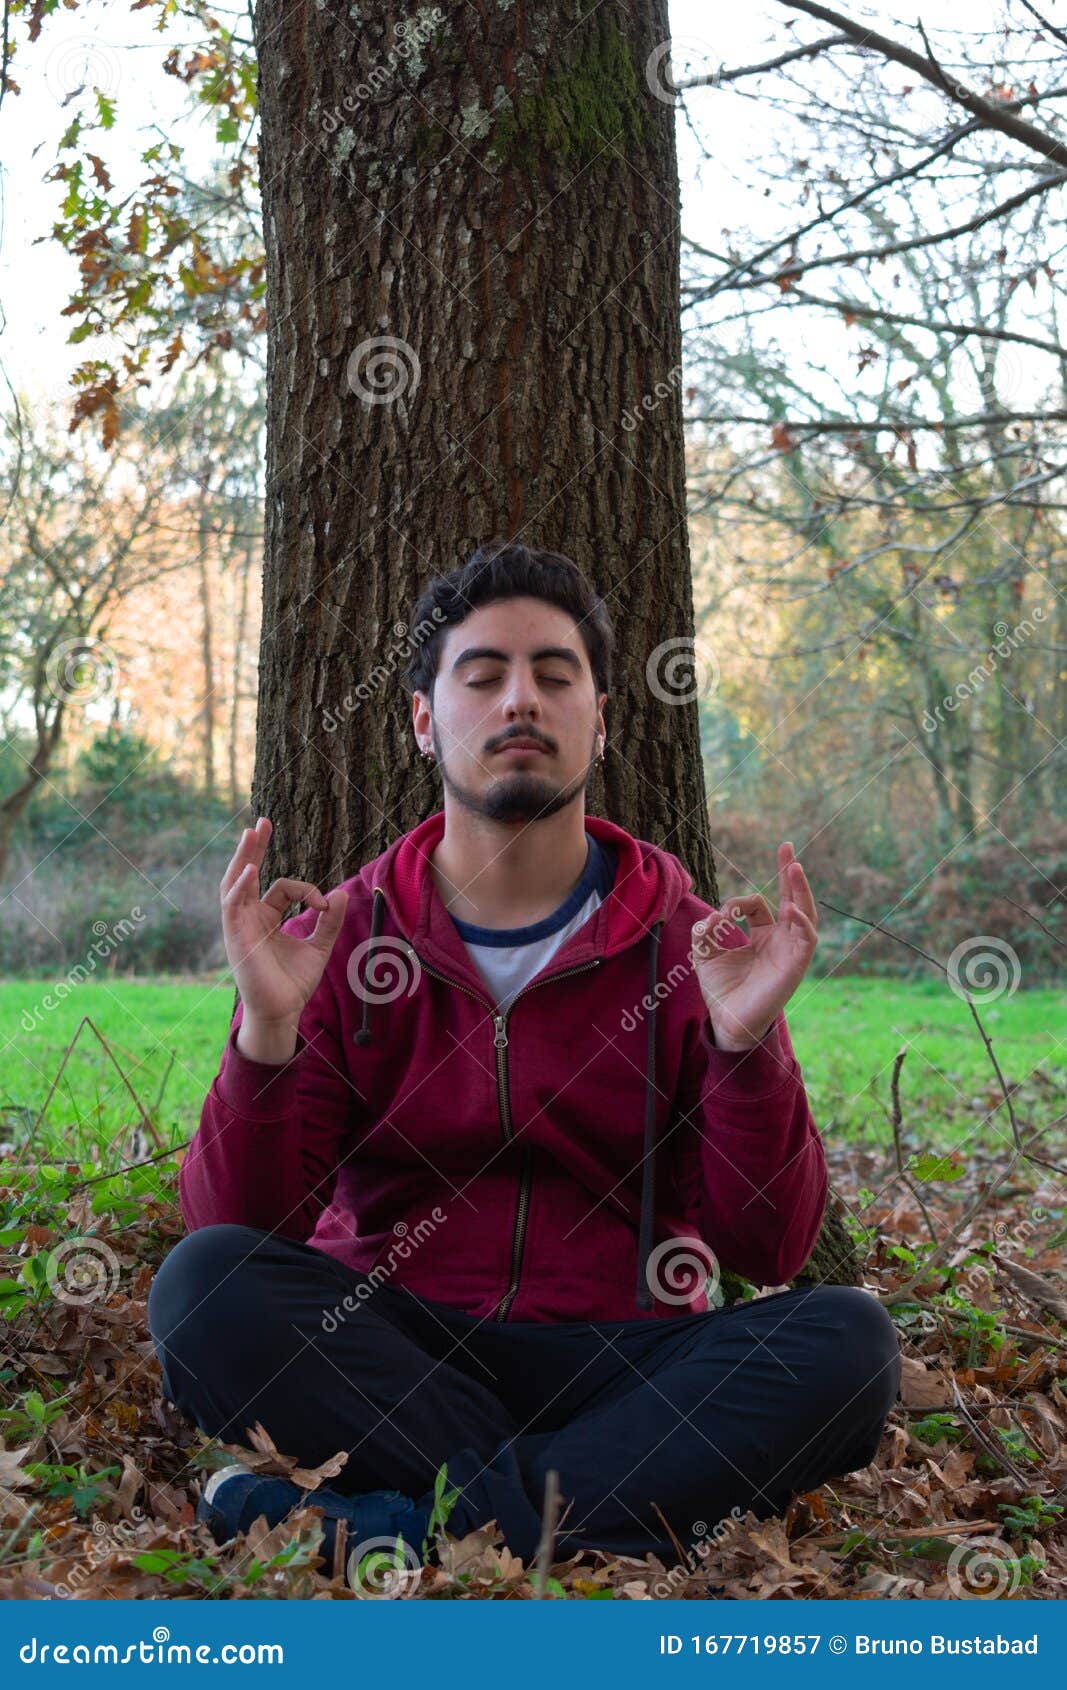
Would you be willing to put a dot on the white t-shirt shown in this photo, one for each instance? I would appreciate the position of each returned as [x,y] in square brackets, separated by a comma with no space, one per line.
[507,957]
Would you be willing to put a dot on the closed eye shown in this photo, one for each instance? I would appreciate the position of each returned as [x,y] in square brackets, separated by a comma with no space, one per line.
[547,680]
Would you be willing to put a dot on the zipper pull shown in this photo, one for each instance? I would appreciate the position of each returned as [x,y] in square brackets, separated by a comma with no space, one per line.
[501,1038]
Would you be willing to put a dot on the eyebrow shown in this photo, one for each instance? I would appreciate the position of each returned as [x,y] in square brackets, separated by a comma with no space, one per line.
[562,652]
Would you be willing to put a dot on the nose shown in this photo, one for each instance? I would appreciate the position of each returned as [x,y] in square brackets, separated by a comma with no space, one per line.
[520,700]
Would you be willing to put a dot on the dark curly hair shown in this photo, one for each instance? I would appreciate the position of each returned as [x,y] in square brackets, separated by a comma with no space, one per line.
[502,569]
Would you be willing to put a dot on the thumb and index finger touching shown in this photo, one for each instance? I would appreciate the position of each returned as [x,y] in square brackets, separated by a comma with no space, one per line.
[240,886]
[793,890]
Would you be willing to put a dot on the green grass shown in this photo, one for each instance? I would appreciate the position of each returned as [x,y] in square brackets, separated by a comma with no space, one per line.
[846,1033]
[151,1025]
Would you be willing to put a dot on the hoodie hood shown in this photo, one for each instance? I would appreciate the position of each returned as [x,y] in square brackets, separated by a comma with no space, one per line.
[649,885]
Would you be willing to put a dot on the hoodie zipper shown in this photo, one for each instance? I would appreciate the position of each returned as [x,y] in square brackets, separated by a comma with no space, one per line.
[500,1043]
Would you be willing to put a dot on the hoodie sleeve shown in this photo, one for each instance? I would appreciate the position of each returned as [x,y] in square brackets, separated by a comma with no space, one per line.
[748,1159]
[271,1135]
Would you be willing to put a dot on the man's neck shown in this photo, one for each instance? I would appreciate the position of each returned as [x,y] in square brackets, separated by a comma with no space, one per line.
[509,874]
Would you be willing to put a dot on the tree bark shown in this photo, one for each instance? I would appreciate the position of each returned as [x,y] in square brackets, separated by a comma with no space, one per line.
[209,708]
[507,209]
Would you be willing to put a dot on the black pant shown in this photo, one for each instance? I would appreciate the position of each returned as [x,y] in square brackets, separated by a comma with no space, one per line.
[702,1415]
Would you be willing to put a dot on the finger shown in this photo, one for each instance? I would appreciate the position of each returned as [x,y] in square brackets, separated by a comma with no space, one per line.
[260,839]
[237,862]
[281,893]
[245,889]
[800,893]
[246,852]
[711,933]
[329,923]
[786,855]
[792,912]
[753,906]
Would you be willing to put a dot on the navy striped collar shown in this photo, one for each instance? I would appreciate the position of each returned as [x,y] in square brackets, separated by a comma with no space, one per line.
[597,876]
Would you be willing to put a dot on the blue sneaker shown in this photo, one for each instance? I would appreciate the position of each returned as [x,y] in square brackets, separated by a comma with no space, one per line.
[234,1497]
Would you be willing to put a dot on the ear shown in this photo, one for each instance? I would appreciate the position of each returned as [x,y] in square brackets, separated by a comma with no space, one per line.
[421,716]
[601,726]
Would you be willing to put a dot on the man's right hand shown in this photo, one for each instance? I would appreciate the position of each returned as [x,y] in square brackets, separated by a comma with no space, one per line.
[274,972]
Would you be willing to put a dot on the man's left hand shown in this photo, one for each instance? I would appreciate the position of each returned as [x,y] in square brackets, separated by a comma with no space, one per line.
[745,986]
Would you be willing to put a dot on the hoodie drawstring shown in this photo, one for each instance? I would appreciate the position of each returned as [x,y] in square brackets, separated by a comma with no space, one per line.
[648,1159]
[363,1032]
[648,1162]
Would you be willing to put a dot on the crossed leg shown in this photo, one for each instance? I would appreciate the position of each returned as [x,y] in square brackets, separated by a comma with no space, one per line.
[739,1408]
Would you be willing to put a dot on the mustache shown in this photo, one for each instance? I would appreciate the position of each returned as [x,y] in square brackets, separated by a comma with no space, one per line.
[521,733]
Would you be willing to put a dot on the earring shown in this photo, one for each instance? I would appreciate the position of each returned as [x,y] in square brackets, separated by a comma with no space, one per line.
[427,756]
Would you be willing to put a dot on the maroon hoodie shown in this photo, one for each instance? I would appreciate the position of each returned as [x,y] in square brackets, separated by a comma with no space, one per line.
[532,1166]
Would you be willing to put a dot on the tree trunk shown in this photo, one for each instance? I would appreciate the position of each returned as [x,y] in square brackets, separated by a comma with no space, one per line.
[473,315]
[208,711]
[237,686]
[506,210]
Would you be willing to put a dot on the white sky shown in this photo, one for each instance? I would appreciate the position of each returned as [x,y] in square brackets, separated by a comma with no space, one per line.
[123,55]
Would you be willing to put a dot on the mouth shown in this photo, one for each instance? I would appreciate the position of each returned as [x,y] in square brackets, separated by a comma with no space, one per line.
[520,747]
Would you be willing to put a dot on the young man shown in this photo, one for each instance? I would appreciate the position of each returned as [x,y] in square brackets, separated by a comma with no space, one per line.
[489,1117]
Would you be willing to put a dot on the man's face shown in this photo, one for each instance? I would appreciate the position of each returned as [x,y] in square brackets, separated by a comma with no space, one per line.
[513,671]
